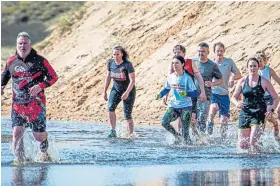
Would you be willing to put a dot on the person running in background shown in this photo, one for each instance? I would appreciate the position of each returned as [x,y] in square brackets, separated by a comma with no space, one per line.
[267,72]
[182,89]
[253,108]
[209,70]
[220,98]
[122,72]
[191,69]
[31,74]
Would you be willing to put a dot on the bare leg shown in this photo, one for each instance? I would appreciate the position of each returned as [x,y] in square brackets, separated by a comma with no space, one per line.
[203,111]
[130,126]
[275,125]
[40,136]
[213,111]
[224,125]
[243,138]
[179,125]
[112,118]
[18,146]
[256,132]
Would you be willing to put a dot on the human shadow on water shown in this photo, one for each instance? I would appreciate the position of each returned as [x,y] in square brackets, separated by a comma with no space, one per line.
[244,177]
[259,177]
[202,178]
[25,175]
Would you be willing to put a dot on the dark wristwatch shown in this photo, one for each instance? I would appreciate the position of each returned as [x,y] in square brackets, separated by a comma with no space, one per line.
[272,110]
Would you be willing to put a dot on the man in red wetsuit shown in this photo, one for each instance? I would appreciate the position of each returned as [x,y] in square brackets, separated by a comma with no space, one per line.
[31,74]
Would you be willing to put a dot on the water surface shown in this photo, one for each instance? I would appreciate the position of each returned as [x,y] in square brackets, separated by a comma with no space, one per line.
[82,155]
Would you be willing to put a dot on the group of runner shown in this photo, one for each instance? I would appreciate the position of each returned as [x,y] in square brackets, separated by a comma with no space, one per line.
[196,85]
[199,89]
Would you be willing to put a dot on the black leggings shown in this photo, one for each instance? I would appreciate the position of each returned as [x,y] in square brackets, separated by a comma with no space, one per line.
[115,99]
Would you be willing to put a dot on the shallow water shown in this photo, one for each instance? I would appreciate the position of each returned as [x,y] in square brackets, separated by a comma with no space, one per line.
[82,155]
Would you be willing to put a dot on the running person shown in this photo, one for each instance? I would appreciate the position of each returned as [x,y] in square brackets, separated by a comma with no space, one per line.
[31,74]
[220,98]
[191,69]
[209,70]
[253,108]
[267,72]
[182,89]
[122,72]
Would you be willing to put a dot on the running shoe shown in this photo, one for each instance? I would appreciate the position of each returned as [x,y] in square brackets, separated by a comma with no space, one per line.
[112,134]
[210,128]
[44,145]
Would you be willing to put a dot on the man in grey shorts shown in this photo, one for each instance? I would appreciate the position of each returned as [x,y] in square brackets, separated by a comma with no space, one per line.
[208,70]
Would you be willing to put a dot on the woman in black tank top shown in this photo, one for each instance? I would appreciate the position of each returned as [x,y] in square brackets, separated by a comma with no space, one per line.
[253,107]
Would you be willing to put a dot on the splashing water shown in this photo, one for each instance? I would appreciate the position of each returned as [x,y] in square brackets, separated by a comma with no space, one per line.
[122,131]
[83,149]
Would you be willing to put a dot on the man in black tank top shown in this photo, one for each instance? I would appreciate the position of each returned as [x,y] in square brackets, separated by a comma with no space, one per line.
[253,108]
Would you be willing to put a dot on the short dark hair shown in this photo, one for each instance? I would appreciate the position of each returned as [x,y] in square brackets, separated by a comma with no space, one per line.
[123,51]
[180,58]
[219,44]
[181,47]
[203,44]
[253,59]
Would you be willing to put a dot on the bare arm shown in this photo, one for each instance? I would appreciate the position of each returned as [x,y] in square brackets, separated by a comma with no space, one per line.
[236,76]
[268,86]
[218,82]
[198,76]
[216,73]
[130,86]
[275,76]
[236,95]
[131,83]
[107,83]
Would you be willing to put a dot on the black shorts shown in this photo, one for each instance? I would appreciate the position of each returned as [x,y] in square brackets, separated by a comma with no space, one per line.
[248,118]
[115,99]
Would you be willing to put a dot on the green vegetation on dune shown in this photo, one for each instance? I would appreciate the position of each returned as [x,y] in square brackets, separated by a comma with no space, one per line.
[38,19]
[35,11]
[34,17]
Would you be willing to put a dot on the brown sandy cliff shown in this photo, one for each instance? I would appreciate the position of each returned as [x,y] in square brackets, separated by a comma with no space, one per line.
[149,30]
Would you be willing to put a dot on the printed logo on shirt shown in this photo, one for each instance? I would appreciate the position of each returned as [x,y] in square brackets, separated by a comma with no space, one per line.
[177,87]
[19,69]
[119,76]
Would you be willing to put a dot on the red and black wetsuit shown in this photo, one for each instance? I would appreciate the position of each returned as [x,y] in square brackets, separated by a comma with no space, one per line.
[34,70]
